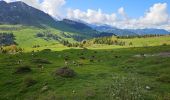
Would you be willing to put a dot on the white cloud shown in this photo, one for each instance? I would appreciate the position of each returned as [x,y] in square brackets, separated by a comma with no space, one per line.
[51,7]
[157,16]
[91,16]
[121,11]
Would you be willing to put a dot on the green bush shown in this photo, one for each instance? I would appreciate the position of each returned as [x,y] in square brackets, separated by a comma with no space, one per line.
[29,81]
[41,61]
[23,69]
[65,72]
[164,78]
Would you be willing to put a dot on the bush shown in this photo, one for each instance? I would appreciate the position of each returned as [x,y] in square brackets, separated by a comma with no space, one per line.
[41,61]
[29,81]
[65,72]
[164,44]
[164,79]
[46,50]
[23,69]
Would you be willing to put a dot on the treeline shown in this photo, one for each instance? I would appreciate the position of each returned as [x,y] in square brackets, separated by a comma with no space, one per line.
[102,40]
[108,41]
[7,39]
[69,44]
[47,35]
[140,36]
[9,28]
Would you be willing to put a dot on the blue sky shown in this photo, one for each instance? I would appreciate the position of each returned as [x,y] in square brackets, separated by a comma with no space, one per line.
[134,8]
[117,13]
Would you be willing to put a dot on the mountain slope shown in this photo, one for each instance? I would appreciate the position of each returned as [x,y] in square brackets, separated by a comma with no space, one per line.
[149,31]
[116,31]
[130,32]
[21,13]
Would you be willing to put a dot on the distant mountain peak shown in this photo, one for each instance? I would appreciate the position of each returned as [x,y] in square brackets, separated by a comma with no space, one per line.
[2,1]
[21,13]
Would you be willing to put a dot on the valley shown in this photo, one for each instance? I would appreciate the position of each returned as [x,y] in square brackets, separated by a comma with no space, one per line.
[97,66]
[47,57]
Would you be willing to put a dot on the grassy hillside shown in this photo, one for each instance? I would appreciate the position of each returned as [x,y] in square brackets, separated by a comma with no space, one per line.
[26,37]
[123,73]
[129,42]
[138,69]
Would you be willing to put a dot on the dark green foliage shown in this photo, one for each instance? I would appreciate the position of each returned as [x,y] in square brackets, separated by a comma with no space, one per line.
[139,36]
[65,72]
[47,35]
[23,69]
[29,81]
[164,44]
[36,46]
[41,61]
[78,37]
[7,39]
[108,40]
[46,50]
[164,78]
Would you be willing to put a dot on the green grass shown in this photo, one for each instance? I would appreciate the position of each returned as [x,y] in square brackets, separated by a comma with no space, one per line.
[108,72]
[94,80]
[26,38]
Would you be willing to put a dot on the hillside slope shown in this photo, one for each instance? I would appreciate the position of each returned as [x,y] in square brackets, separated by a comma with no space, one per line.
[19,13]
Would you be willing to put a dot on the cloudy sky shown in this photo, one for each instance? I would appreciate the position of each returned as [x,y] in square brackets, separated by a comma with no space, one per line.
[117,13]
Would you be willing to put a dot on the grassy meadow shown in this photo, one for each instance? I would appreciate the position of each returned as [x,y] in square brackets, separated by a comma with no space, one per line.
[102,72]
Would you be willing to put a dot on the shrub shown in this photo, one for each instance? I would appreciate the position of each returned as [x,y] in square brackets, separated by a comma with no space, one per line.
[65,72]
[29,81]
[83,58]
[164,44]
[23,69]
[46,50]
[164,79]
[41,61]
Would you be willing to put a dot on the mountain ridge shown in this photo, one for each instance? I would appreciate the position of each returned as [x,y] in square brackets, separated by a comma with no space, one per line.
[20,13]
[129,32]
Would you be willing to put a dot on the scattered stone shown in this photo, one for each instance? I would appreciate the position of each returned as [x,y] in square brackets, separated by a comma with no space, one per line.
[66,63]
[19,61]
[44,88]
[73,91]
[148,87]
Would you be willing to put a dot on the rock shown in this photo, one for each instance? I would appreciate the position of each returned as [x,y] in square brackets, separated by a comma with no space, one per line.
[148,87]
[44,88]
